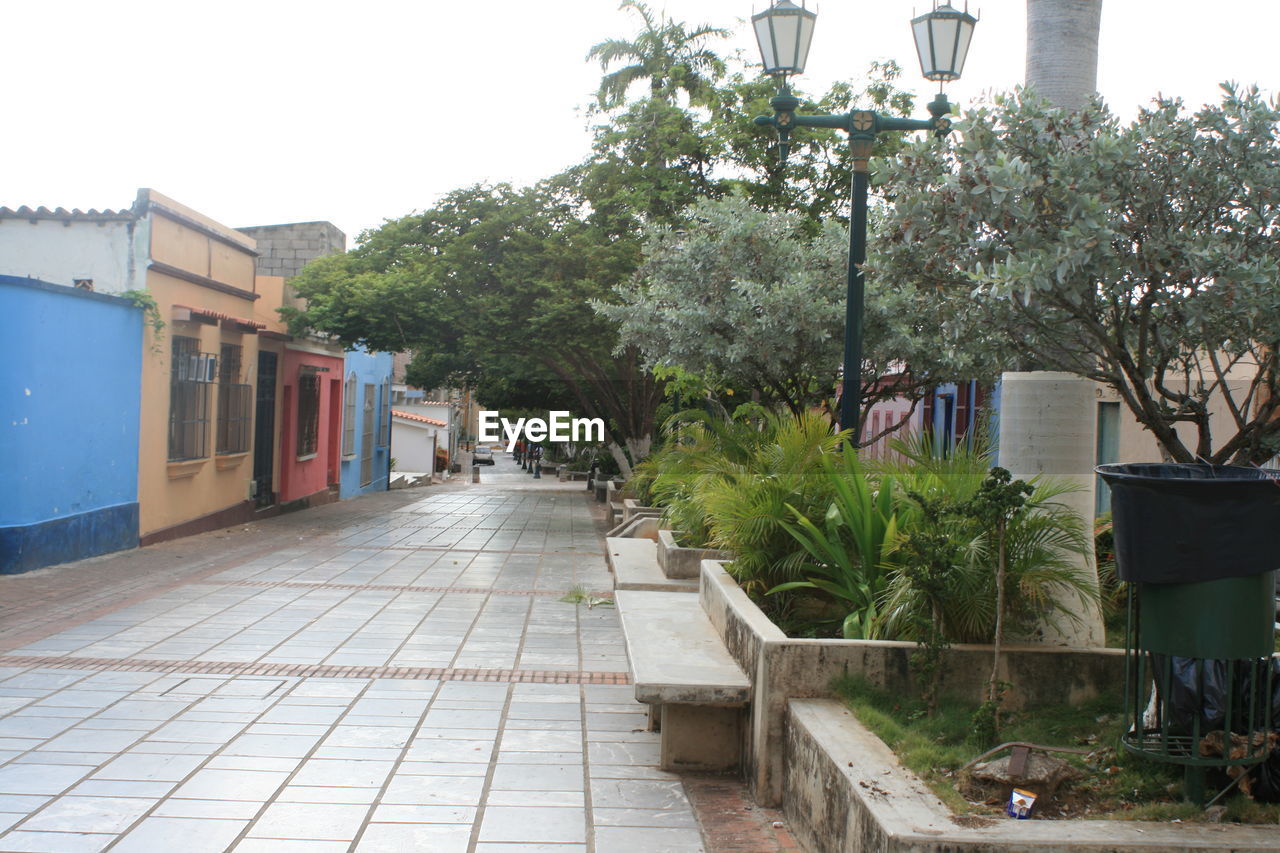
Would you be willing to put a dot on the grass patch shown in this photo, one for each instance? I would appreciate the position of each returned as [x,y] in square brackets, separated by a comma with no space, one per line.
[1116,785]
[579,594]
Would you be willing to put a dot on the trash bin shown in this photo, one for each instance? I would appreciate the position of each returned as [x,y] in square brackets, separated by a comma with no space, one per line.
[1196,543]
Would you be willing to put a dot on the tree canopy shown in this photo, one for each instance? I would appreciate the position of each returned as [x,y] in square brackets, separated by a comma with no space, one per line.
[1144,256]
[493,286]
[753,299]
[667,54]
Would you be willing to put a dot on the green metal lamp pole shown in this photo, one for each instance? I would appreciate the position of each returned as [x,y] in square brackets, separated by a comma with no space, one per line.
[942,40]
[862,127]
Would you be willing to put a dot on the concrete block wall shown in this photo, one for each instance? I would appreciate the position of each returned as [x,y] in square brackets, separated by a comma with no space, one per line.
[285,249]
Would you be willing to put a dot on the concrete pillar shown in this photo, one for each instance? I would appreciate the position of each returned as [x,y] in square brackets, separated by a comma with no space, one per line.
[475,473]
[1048,426]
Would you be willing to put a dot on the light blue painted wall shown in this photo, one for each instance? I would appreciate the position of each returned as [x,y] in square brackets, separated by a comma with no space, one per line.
[69,398]
[375,369]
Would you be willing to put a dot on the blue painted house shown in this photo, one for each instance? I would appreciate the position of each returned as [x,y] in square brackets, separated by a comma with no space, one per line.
[69,407]
[366,423]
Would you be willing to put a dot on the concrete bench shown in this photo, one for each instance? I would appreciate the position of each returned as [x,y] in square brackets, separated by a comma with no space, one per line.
[695,691]
[634,563]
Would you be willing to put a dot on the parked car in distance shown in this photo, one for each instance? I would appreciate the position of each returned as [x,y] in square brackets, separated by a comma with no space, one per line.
[482,456]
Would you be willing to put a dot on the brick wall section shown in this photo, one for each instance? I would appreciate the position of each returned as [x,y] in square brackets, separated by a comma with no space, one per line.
[285,249]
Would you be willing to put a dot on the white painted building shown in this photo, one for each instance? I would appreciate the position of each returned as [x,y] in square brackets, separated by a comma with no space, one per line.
[102,250]
[417,439]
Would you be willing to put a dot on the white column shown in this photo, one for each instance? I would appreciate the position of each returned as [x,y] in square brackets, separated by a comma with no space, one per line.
[1048,426]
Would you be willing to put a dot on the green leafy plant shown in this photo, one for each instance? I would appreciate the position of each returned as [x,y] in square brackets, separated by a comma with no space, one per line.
[151,311]
[1140,255]
[579,594]
[751,499]
[1000,500]
[979,555]
[701,448]
[939,522]
[849,553]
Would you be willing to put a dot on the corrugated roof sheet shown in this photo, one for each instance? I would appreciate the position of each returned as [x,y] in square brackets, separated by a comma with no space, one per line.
[64,215]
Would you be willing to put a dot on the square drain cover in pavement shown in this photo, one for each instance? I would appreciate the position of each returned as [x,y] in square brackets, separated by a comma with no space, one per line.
[250,688]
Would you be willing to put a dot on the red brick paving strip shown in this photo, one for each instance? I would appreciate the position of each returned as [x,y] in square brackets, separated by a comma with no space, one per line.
[731,822]
[213,667]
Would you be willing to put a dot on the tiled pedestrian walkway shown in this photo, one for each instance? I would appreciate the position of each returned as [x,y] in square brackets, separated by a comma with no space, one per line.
[403,679]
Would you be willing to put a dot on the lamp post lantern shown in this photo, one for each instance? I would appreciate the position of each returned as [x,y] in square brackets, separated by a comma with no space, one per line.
[784,32]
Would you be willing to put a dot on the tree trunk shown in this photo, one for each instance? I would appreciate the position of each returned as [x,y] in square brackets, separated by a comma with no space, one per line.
[1062,50]
[624,464]
[993,688]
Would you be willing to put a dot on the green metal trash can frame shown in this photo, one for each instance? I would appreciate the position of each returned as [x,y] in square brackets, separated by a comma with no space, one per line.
[1199,548]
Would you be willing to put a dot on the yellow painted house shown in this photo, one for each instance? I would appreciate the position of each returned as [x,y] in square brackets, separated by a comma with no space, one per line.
[199,372]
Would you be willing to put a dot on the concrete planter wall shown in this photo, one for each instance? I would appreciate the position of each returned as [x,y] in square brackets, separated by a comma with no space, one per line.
[781,668]
[678,562]
[631,509]
[847,793]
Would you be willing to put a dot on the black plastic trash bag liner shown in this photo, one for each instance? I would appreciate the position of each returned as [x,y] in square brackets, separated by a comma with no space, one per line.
[1266,776]
[1187,695]
[1191,523]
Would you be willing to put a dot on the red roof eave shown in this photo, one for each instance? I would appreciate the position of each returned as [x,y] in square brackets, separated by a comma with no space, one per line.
[205,313]
[409,416]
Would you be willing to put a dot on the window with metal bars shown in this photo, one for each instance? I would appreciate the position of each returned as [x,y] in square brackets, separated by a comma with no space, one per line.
[366,440]
[308,413]
[349,417]
[190,376]
[235,403]
[384,414]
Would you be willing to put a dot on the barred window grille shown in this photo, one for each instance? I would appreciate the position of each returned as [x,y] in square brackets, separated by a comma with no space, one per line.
[366,440]
[349,417]
[235,403]
[308,413]
[190,376]
[385,413]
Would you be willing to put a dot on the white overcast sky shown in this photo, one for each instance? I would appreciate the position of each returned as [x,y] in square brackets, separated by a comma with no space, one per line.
[266,111]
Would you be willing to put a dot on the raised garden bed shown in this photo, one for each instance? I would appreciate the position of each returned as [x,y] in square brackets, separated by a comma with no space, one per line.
[783,668]
[846,792]
[1110,784]
[680,562]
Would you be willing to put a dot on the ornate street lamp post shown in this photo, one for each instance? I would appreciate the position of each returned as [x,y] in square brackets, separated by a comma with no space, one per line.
[784,32]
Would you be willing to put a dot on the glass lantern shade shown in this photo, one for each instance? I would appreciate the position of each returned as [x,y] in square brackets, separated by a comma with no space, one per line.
[942,41]
[784,32]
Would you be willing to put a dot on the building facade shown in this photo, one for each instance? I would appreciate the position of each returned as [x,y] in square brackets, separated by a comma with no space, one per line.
[69,420]
[198,347]
[366,423]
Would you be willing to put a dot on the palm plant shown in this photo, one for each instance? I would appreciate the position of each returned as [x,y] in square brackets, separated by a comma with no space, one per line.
[938,516]
[849,556]
[666,53]
[700,448]
[752,498]
[1062,50]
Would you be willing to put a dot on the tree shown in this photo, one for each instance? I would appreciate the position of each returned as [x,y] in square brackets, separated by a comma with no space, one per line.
[491,286]
[1144,257]
[815,179]
[648,163]
[752,298]
[1062,50]
[666,53]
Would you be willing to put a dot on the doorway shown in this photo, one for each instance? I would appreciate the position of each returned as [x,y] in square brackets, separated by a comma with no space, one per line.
[264,430]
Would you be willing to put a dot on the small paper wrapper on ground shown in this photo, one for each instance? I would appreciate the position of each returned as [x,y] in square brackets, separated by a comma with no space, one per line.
[1020,803]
